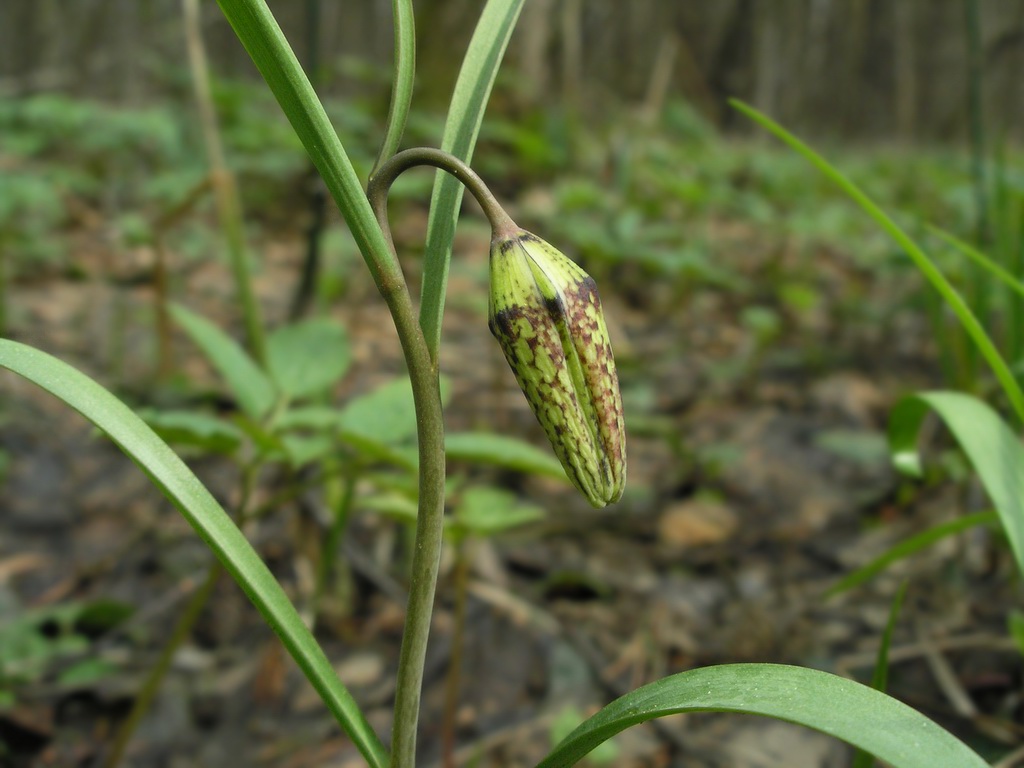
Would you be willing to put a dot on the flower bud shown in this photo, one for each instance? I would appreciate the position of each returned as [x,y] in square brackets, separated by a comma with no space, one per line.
[546,315]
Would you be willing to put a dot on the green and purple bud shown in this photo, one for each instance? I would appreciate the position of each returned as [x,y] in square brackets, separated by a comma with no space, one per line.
[546,315]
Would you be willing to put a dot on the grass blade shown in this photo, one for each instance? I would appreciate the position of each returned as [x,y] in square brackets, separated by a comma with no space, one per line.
[205,515]
[908,547]
[927,267]
[855,713]
[989,444]
[404,77]
[983,261]
[465,113]
[262,37]
[880,678]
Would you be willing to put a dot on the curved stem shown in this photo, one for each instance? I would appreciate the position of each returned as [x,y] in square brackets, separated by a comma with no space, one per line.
[429,529]
[423,374]
[381,181]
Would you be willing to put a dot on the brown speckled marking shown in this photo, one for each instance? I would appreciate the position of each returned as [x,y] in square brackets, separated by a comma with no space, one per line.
[546,315]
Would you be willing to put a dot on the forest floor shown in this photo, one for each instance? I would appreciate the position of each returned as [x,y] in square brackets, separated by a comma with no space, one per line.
[758,476]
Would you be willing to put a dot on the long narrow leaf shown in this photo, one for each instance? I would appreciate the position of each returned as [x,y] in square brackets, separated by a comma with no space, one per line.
[880,678]
[908,547]
[927,267]
[465,113]
[206,516]
[262,37]
[989,444]
[979,258]
[404,76]
[858,715]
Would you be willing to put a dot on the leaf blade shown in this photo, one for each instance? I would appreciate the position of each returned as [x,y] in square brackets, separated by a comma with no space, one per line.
[308,357]
[924,263]
[855,713]
[177,482]
[246,380]
[465,114]
[990,445]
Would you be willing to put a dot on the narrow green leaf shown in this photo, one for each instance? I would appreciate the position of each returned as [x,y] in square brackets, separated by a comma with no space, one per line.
[309,356]
[403,79]
[989,444]
[855,713]
[908,547]
[979,258]
[927,267]
[177,482]
[465,114]
[502,451]
[246,380]
[880,678]
[262,37]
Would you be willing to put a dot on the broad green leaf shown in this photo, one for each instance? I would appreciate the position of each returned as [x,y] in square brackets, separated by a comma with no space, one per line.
[465,114]
[314,418]
[302,450]
[211,522]
[485,511]
[502,451]
[308,357]
[387,415]
[855,713]
[371,450]
[908,547]
[247,382]
[924,263]
[199,430]
[86,673]
[989,444]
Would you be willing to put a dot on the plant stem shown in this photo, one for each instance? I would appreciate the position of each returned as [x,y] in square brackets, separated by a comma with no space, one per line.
[226,193]
[385,176]
[329,551]
[430,421]
[182,629]
[151,685]
[429,528]
[451,688]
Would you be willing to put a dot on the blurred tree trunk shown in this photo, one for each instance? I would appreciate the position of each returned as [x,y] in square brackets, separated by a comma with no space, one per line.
[886,68]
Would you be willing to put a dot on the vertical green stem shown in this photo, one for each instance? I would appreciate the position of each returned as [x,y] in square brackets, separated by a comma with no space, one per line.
[229,210]
[339,523]
[182,629]
[429,529]
[423,373]
[451,688]
[151,685]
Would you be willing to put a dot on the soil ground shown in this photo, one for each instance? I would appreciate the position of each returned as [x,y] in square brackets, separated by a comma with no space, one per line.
[757,478]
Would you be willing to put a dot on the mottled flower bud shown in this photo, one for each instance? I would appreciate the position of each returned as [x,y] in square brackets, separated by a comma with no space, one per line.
[546,315]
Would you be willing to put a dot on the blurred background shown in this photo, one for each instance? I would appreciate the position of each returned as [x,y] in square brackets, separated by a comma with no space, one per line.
[850,68]
[764,328]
